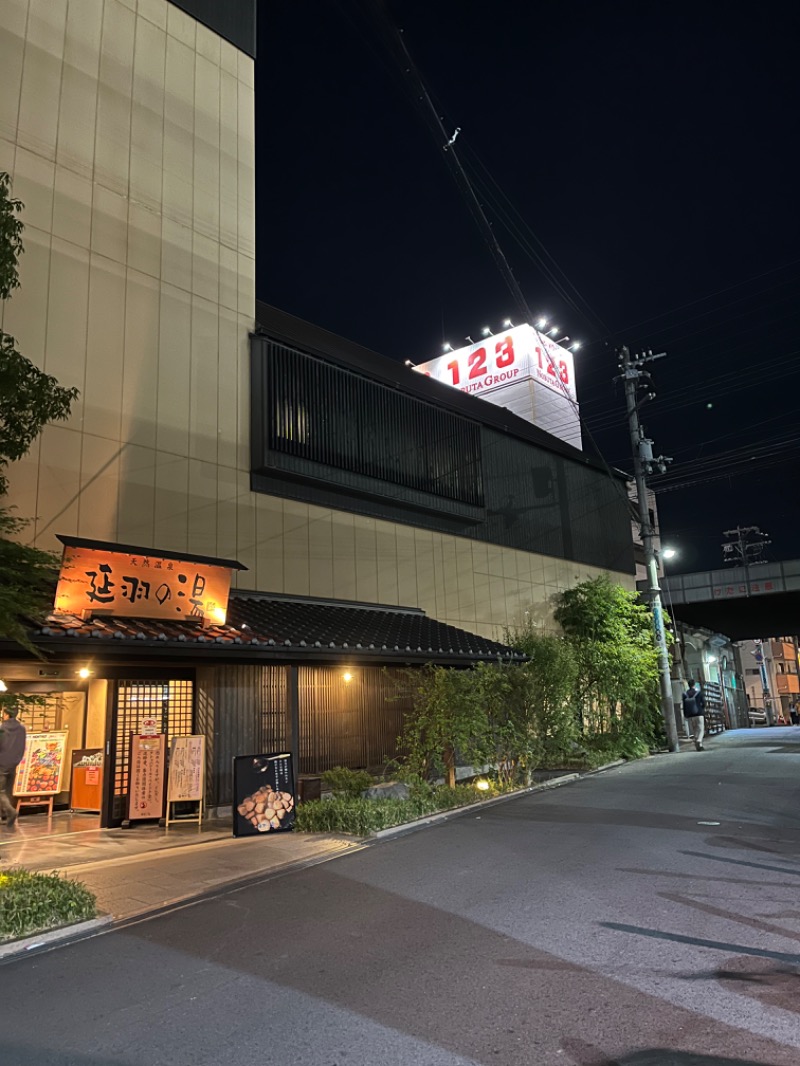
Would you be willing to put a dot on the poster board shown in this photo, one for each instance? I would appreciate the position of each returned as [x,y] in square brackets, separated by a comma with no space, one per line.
[86,793]
[187,766]
[40,772]
[186,776]
[263,794]
[146,777]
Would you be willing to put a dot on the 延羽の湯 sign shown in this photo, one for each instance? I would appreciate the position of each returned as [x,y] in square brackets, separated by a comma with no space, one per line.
[142,584]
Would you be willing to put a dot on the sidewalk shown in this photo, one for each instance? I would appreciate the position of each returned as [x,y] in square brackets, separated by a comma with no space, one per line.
[135,871]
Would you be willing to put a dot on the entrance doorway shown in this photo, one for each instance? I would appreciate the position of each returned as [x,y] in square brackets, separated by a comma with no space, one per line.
[141,707]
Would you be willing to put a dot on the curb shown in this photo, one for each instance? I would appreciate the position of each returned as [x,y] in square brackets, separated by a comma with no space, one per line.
[53,937]
[443,816]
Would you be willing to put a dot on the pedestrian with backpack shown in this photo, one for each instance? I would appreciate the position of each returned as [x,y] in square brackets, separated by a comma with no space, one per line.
[694,706]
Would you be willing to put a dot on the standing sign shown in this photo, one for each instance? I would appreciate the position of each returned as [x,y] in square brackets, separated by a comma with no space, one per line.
[87,779]
[42,766]
[263,794]
[186,777]
[146,777]
[187,761]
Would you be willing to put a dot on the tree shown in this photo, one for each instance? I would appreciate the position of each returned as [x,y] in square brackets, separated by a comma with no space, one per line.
[551,672]
[29,399]
[610,632]
[446,721]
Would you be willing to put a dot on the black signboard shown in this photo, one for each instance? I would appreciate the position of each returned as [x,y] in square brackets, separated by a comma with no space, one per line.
[263,794]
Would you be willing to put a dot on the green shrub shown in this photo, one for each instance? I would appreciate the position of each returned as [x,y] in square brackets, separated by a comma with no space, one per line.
[360,816]
[33,903]
[344,782]
[345,814]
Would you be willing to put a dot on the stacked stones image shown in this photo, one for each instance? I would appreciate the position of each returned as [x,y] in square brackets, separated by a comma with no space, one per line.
[266,809]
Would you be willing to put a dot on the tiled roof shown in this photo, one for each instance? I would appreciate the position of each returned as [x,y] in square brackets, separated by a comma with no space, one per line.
[282,627]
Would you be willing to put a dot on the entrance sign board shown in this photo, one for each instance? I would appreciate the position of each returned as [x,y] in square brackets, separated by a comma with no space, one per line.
[187,766]
[101,578]
[146,777]
[42,766]
[263,794]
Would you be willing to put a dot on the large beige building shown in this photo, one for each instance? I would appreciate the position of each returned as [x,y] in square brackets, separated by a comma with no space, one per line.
[379,518]
[127,127]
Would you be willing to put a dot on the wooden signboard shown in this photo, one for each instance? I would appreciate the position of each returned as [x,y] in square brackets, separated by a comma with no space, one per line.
[187,775]
[146,777]
[38,778]
[139,584]
[87,779]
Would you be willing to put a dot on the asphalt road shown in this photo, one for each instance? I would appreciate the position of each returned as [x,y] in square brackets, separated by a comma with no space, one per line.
[647,916]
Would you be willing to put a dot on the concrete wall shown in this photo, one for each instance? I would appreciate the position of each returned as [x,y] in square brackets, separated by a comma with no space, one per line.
[128,131]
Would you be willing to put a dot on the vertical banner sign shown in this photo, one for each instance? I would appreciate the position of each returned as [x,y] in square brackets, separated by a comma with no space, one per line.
[87,779]
[146,777]
[187,769]
[263,794]
[42,766]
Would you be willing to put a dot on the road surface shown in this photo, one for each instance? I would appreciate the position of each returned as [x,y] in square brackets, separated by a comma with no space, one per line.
[646,916]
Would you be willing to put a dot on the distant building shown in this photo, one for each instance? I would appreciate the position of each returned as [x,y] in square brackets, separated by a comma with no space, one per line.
[771,676]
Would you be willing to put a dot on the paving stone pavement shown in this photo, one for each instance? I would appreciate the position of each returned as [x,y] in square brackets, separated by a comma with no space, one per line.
[133,872]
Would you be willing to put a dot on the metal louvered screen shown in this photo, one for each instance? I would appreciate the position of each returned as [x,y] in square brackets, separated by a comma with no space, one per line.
[323,414]
[355,723]
[170,703]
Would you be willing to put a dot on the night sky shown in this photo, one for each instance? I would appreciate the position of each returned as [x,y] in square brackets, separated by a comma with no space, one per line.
[646,153]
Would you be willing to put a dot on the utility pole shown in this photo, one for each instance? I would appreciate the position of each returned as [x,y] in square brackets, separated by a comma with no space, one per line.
[744,547]
[635,379]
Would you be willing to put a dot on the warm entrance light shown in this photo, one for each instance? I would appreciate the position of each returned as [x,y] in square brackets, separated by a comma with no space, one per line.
[347,676]
[84,672]
[219,615]
[3,686]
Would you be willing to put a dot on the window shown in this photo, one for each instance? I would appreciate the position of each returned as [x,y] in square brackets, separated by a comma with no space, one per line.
[321,413]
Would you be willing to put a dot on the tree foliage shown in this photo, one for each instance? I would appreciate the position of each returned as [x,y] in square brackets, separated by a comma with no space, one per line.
[587,696]
[551,673]
[446,723]
[29,399]
[611,633]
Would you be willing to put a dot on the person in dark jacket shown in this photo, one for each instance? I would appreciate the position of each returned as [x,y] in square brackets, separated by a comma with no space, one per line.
[12,748]
[694,706]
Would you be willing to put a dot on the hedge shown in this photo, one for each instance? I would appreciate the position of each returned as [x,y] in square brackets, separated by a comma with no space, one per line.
[34,902]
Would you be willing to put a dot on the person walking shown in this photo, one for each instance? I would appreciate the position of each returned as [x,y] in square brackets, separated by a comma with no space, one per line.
[12,748]
[694,706]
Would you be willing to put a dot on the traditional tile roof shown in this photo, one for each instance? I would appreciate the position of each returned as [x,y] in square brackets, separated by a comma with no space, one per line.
[281,627]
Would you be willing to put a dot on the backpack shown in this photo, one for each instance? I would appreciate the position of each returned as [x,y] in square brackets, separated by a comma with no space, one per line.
[690,708]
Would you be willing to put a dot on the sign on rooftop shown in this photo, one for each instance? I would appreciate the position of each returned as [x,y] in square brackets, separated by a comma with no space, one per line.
[521,369]
[517,354]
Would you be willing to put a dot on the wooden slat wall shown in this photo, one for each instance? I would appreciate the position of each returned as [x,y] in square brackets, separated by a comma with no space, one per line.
[242,710]
[353,724]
